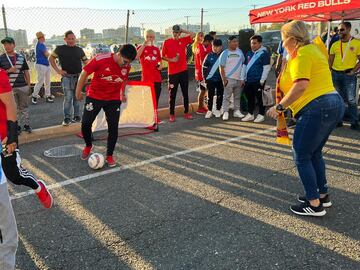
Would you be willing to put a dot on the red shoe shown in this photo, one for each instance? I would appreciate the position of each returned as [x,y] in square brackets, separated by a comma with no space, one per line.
[44,195]
[188,116]
[86,152]
[172,118]
[159,122]
[110,161]
[201,111]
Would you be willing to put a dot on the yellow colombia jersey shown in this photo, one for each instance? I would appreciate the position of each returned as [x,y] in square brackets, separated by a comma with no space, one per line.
[310,63]
[351,52]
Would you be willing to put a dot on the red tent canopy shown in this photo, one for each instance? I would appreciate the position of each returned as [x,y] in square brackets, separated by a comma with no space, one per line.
[307,10]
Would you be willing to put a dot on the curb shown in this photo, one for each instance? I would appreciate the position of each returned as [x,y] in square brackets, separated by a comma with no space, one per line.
[61,131]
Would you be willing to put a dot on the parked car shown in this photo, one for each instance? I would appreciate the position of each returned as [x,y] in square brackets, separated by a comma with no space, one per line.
[271,40]
[93,49]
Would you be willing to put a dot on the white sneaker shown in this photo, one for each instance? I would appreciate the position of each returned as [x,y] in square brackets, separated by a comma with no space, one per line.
[238,114]
[226,116]
[259,118]
[217,113]
[208,115]
[248,117]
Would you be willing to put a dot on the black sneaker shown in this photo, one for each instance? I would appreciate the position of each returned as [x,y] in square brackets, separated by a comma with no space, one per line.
[76,119]
[49,100]
[27,128]
[305,209]
[66,122]
[340,124]
[325,201]
[34,100]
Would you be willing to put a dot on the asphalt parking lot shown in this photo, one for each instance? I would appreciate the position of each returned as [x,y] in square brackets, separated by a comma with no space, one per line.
[201,194]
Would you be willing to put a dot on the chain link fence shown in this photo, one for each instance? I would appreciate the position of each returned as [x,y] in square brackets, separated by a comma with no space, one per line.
[101,30]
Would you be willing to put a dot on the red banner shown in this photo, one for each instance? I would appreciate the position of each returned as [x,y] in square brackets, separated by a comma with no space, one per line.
[307,10]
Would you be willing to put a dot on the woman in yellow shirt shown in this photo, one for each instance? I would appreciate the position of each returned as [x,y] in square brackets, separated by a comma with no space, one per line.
[309,92]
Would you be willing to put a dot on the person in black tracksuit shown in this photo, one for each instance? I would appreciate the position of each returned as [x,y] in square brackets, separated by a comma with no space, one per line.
[213,79]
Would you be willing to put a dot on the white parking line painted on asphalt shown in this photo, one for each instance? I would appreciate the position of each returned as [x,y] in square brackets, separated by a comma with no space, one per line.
[141,163]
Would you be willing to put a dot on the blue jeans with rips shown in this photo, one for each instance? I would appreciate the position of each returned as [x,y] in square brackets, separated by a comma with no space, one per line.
[346,87]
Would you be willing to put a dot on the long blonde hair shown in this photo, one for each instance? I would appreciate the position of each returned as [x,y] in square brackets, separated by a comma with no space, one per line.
[296,30]
[196,41]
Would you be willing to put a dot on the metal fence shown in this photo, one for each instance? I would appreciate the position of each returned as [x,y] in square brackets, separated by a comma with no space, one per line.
[101,29]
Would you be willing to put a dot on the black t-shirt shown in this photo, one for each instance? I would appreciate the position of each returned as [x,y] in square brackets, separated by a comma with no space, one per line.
[17,79]
[70,58]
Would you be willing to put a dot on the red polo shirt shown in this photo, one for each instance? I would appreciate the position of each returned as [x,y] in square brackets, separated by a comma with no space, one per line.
[171,47]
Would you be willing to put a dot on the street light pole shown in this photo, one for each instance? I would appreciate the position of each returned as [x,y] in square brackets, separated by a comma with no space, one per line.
[127,26]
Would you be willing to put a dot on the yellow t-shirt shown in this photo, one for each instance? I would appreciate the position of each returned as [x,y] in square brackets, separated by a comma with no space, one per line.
[311,64]
[351,56]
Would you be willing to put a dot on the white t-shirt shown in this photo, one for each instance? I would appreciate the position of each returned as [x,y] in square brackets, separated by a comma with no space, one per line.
[233,62]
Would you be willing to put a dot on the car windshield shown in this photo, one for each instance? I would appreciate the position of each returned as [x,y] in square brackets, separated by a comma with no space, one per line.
[270,36]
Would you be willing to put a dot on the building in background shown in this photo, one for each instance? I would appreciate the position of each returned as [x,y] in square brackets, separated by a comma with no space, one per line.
[20,37]
[87,34]
[190,27]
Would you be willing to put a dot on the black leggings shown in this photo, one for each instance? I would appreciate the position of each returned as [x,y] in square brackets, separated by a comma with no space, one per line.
[215,87]
[253,91]
[15,173]
[92,108]
[181,78]
[157,88]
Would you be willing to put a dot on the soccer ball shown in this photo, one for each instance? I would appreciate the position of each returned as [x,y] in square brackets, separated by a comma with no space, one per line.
[96,161]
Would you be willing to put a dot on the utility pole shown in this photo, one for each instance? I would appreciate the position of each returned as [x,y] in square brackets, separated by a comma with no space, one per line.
[202,21]
[187,22]
[127,26]
[4,20]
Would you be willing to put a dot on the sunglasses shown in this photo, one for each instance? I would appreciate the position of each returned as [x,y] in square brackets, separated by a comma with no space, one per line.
[342,29]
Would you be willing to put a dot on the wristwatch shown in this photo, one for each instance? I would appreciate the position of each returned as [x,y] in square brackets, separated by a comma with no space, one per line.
[280,108]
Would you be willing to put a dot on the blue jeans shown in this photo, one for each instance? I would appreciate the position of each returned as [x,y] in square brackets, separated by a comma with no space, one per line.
[314,124]
[346,86]
[69,85]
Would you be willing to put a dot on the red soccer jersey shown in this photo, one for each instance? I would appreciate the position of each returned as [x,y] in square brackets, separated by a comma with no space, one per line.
[199,56]
[5,87]
[171,47]
[149,60]
[108,77]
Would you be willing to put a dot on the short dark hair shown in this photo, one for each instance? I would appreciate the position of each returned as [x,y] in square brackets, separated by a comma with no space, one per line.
[212,33]
[128,51]
[257,37]
[67,33]
[346,24]
[217,42]
[231,38]
[208,38]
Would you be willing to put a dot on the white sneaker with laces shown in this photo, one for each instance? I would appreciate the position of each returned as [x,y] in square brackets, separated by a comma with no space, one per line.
[248,117]
[259,118]
[208,115]
[225,116]
[217,113]
[238,114]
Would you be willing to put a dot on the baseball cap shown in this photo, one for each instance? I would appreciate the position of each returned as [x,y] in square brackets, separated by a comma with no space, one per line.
[176,28]
[8,40]
[39,35]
